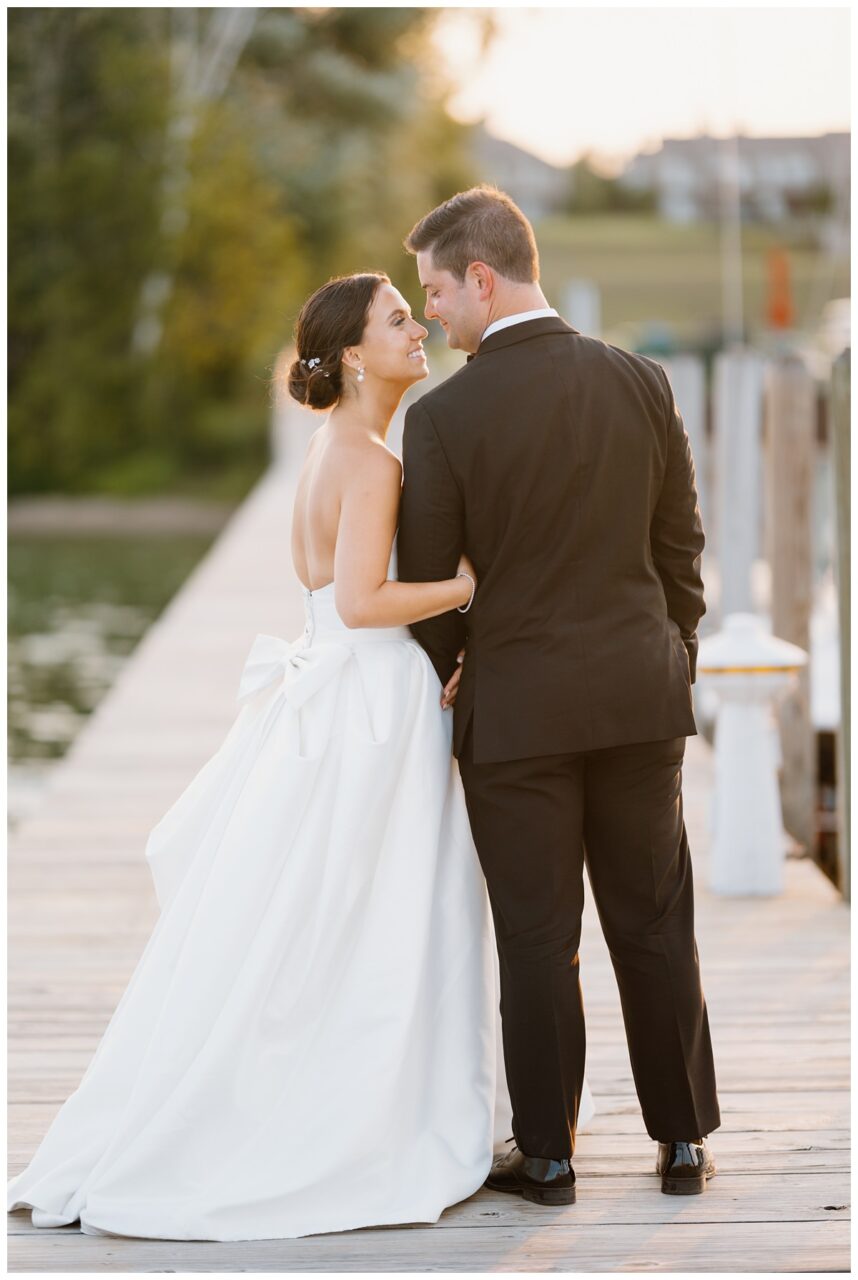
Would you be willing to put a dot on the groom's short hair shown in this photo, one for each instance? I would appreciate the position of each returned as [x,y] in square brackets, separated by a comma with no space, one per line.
[479,225]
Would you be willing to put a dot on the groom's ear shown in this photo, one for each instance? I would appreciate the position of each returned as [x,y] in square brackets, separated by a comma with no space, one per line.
[482,277]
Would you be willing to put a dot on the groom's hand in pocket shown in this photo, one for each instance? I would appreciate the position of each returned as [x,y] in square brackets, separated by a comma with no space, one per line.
[448,694]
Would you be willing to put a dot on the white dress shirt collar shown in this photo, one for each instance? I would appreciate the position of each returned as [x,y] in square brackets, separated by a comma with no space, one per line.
[506,321]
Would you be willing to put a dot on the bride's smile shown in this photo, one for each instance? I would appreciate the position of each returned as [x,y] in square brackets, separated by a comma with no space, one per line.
[390,351]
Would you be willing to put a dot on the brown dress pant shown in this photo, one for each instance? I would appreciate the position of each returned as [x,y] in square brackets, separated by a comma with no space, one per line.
[535,822]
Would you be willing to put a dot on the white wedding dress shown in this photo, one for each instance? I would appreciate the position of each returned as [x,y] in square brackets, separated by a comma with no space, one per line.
[310,1040]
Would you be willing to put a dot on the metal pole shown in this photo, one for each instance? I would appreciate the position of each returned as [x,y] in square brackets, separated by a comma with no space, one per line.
[730,192]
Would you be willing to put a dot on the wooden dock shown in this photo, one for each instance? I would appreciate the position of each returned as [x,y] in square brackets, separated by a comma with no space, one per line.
[776,975]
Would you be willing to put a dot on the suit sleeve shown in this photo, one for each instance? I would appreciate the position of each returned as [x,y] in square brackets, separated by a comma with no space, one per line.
[676,533]
[431,533]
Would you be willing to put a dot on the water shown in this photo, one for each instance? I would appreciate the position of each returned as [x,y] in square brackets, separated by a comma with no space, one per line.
[78,606]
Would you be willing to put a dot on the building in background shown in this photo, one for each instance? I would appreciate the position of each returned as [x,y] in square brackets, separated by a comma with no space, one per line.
[777,176]
[538,188]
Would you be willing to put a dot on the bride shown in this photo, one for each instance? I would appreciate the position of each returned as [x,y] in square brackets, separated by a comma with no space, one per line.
[309,1042]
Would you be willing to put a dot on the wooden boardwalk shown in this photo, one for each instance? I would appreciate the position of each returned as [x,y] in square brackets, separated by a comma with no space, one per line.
[81,907]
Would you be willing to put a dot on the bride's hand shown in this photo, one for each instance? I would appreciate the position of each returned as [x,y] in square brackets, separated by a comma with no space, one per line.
[451,688]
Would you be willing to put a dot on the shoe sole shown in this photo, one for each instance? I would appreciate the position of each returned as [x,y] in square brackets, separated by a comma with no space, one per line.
[685,1186]
[539,1195]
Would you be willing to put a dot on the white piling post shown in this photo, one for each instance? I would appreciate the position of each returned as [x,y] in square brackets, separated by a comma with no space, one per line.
[738,397]
[582,306]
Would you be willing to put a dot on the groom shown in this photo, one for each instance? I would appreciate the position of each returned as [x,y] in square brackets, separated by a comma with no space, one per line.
[561,466]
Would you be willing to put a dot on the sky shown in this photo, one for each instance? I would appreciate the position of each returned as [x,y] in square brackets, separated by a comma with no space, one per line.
[613,81]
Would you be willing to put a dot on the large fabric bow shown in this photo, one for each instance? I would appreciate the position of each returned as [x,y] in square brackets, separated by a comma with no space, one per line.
[301,668]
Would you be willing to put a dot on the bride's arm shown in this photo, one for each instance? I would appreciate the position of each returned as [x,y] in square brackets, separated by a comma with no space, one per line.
[364,597]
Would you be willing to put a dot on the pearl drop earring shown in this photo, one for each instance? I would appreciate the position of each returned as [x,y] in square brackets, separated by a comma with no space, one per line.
[361,374]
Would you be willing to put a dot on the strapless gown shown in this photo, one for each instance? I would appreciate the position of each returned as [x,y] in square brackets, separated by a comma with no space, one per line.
[310,1040]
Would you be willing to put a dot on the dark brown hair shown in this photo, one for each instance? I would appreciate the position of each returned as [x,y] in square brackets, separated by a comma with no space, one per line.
[479,225]
[332,318]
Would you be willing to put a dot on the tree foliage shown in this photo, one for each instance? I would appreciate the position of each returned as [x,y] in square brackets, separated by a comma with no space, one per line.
[591,191]
[321,150]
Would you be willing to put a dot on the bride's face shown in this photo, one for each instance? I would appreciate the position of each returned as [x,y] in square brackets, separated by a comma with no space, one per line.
[391,347]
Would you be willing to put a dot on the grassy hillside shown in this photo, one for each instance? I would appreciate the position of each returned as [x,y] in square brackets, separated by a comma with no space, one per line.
[651,271]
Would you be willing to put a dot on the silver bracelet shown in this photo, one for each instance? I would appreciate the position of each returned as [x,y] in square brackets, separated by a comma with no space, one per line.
[463,608]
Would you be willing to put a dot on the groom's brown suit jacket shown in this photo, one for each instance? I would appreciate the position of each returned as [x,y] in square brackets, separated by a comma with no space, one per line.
[560,464]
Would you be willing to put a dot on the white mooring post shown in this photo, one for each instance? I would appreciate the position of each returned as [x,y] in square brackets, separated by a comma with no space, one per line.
[749,671]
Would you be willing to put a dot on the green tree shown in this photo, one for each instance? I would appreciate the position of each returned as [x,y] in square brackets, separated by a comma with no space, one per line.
[591,191]
[85,123]
[179,181]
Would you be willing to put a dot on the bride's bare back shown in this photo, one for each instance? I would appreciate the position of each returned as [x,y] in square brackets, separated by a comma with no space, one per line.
[343,525]
[333,469]
[315,518]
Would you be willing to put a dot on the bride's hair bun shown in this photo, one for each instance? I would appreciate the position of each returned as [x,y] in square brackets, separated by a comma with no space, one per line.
[314,386]
[332,318]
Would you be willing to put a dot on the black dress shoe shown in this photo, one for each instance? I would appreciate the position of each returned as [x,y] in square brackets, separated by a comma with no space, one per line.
[538,1179]
[684,1167]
